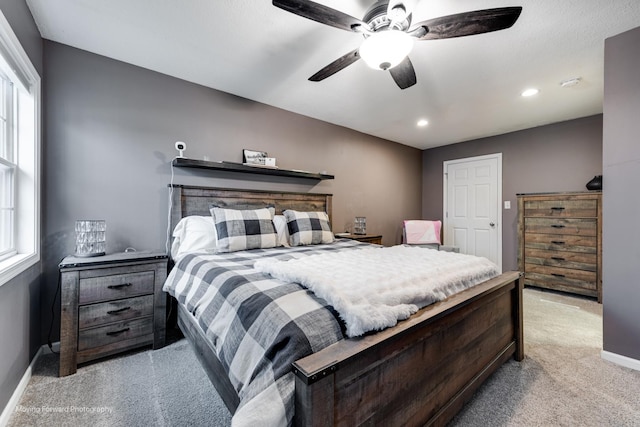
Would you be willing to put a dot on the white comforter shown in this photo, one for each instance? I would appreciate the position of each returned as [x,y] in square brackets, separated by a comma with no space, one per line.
[373,288]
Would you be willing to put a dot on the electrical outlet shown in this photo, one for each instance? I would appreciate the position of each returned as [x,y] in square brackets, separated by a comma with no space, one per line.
[507,204]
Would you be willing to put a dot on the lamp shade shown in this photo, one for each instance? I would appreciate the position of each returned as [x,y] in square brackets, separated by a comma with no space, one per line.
[386,49]
[90,238]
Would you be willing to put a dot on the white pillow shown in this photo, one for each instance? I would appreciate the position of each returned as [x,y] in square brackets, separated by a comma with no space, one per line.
[194,234]
[280,222]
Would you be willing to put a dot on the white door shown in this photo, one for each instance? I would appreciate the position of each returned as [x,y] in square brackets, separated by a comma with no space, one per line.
[472,211]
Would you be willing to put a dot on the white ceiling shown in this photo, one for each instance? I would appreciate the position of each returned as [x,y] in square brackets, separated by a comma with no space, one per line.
[467,88]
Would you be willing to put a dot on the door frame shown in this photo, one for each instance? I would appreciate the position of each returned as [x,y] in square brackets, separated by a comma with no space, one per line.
[445,191]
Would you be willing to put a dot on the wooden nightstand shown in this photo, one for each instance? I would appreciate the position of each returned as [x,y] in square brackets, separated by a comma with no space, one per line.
[110,304]
[376,239]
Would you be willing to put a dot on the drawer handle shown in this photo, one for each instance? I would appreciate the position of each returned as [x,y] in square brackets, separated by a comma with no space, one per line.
[124,285]
[118,311]
[557,208]
[557,275]
[557,225]
[111,334]
[557,258]
[557,242]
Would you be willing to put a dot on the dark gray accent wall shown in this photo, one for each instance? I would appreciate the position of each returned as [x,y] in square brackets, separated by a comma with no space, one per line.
[621,204]
[20,297]
[558,157]
[111,129]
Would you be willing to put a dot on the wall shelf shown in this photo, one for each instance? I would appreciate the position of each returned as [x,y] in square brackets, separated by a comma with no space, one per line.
[182,162]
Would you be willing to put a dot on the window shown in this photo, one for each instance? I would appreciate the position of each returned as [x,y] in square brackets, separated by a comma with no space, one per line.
[7,169]
[19,157]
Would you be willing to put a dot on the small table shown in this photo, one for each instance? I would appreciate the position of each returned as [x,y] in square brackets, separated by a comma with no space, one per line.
[376,239]
[110,304]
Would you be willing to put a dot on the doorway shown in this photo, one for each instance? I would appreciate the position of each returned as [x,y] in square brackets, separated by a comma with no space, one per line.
[472,197]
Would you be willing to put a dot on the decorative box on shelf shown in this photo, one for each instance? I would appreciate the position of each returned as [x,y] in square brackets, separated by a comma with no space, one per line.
[110,304]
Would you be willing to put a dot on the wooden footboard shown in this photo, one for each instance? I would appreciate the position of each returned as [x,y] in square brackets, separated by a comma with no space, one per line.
[420,372]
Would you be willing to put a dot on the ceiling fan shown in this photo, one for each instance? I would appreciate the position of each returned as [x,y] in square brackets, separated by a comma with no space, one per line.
[389,35]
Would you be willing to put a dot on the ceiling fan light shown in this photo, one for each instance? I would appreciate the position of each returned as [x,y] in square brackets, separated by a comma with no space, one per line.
[386,49]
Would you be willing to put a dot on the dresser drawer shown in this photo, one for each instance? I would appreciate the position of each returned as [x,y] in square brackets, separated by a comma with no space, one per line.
[114,311]
[554,242]
[561,226]
[561,208]
[561,274]
[115,332]
[103,288]
[565,284]
[563,259]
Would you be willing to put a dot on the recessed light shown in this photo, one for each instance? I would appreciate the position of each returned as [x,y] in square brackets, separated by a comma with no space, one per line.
[423,122]
[529,92]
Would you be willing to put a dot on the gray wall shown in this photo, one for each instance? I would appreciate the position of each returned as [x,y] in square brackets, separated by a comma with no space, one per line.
[558,157]
[111,129]
[621,204]
[20,297]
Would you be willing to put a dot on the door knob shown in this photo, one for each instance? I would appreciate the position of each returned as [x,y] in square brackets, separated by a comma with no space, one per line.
[492,224]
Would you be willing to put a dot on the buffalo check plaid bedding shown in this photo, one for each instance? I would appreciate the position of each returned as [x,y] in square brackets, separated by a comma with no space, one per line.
[244,229]
[308,228]
[257,325]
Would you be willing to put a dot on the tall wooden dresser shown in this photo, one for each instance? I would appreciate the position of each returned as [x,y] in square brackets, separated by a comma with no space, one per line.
[560,241]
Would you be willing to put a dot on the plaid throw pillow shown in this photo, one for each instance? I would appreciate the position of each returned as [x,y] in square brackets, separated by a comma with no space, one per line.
[239,230]
[308,228]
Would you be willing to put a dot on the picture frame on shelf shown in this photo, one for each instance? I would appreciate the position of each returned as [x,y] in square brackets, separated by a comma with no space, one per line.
[253,157]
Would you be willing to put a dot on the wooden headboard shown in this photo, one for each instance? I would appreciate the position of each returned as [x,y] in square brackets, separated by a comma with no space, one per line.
[191,200]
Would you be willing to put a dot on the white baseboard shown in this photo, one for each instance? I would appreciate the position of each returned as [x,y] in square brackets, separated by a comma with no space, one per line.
[618,359]
[22,385]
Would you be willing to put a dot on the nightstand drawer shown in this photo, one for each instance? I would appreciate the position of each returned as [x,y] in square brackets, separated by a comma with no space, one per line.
[114,311]
[115,332]
[375,239]
[103,288]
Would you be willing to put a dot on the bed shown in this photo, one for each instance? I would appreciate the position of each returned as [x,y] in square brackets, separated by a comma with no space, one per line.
[419,372]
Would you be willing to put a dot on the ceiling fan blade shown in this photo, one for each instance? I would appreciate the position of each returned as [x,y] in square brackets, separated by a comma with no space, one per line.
[468,23]
[403,74]
[320,13]
[337,65]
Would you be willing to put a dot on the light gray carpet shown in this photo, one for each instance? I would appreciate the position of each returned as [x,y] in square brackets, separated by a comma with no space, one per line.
[562,382]
[165,387]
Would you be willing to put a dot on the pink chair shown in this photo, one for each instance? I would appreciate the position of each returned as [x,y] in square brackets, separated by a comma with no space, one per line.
[426,234]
